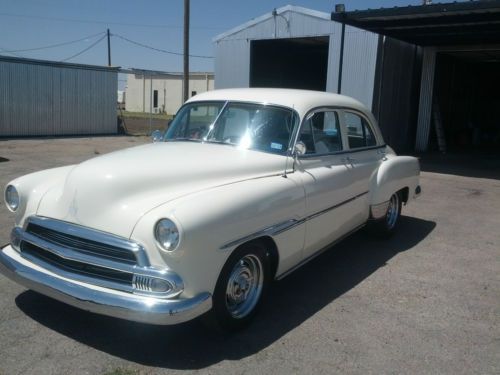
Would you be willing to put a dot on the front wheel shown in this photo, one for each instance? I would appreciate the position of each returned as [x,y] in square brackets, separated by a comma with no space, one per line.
[386,226]
[240,287]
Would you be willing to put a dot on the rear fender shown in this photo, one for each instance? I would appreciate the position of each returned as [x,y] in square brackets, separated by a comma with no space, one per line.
[393,175]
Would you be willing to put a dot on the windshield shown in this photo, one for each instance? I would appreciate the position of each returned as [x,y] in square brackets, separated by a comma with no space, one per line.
[247,125]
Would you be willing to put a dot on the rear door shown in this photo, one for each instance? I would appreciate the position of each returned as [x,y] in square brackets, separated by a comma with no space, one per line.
[364,156]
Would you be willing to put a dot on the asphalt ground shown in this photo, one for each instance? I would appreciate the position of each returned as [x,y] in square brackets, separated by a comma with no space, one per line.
[425,301]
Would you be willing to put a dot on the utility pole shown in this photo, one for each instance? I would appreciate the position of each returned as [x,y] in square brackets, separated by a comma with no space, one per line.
[185,86]
[109,49]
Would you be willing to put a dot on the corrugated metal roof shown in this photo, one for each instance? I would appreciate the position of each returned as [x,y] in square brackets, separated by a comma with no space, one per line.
[24,60]
[287,8]
[468,22]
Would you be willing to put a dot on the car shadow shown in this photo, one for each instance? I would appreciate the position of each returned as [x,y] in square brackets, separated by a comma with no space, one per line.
[290,302]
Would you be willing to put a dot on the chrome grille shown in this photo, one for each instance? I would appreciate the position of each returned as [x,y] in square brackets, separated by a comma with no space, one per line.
[83,245]
[92,256]
[71,266]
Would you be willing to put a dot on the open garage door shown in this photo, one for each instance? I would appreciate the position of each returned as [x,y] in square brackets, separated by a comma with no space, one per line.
[299,63]
[467,95]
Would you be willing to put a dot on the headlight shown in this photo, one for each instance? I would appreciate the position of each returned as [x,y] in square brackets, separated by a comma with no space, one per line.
[12,198]
[167,234]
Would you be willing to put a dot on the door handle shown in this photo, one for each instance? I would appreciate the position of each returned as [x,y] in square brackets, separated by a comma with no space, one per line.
[348,160]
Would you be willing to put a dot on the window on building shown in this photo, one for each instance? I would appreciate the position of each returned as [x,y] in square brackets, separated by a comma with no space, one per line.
[193,93]
[155,99]
[359,132]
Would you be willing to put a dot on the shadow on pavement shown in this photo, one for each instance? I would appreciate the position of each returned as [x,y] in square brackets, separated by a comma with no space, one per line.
[191,346]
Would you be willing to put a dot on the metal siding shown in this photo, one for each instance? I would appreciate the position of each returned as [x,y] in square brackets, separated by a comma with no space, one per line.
[232,62]
[425,103]
[358,70]
[38,99]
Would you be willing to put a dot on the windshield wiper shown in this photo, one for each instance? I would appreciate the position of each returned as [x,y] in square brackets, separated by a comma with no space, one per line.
[184,140]
[221,142]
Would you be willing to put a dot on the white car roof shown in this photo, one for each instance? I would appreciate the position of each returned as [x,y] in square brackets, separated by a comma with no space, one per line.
[300,100]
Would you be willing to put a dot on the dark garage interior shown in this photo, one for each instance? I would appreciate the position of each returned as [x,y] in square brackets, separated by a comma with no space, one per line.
[467,95]
[299,63]
[437,77]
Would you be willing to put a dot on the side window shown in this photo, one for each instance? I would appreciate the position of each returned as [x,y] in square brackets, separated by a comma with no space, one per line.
[359,133]
[321,133]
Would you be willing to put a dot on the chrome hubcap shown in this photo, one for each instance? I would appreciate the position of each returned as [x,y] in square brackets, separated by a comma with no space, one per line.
[392,211]
[244,286]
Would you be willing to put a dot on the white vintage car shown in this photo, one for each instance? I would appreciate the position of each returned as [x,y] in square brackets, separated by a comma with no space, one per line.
[245,186]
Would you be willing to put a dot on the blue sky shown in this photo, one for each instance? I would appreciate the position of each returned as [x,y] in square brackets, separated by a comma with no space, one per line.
[28,24]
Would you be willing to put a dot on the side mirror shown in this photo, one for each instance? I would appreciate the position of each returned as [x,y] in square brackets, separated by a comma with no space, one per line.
[157,136]
[300,148]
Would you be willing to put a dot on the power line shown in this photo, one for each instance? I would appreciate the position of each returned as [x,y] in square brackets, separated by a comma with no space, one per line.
[84,50]
[10,53]
[159,49]
[56,45]
[106,22]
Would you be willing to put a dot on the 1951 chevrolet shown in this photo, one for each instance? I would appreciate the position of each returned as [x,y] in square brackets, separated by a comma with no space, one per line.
[245,186]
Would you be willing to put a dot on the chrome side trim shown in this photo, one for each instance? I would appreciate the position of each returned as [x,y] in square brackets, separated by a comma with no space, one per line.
[336,206]
[119,305]
[317,253]
[276,229]
[269,231]
[378,211]
[92,235]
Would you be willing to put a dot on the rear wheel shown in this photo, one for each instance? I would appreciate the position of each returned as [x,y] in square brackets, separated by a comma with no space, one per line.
[241,287]
[385,227]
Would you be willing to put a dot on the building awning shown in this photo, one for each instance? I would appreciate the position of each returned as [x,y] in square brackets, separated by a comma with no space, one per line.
[458,23]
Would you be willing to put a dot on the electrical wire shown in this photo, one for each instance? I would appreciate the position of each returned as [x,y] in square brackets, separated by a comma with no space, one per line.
[84,50]
[159,49]
[107,22]
[57,45]
[10,53]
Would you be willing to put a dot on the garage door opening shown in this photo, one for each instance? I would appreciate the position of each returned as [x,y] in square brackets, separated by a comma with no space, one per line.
[467,98]
[299,63]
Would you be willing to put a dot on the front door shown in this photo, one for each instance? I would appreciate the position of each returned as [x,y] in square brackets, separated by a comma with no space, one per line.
[331,205]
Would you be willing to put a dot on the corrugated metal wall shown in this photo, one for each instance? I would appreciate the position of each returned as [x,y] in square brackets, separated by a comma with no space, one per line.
[360,60]
[397,92]
[232,50]
[39,98]
[425,106]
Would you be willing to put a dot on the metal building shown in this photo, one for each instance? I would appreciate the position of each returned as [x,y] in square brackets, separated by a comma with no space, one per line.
[297,47]
[47,98]
[440,73]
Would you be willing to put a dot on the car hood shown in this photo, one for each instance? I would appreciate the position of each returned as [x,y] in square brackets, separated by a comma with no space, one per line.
[113,191]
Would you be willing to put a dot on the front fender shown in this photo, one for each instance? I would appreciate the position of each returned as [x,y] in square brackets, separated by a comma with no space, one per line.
[33,186]
[394,174]
[210,219]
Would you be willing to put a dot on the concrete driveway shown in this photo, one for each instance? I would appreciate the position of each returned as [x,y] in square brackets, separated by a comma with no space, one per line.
[425,301]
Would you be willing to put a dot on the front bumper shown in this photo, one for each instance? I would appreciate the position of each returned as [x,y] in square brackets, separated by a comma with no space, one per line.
[101,300]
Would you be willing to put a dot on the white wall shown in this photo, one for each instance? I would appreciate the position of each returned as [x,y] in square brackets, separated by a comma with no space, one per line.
[138,91]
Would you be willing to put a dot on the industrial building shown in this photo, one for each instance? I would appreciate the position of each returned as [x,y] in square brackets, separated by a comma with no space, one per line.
[295,47]
[429,73]
[161,92]
[47,98]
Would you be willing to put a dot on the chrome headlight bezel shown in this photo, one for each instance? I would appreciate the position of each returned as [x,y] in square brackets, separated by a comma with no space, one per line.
[167,235]
[12,198]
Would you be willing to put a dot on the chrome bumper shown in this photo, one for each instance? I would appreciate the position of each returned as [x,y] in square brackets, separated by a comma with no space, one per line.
[100,300]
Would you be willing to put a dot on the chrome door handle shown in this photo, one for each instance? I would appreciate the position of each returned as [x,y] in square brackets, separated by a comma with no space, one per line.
[348,160]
